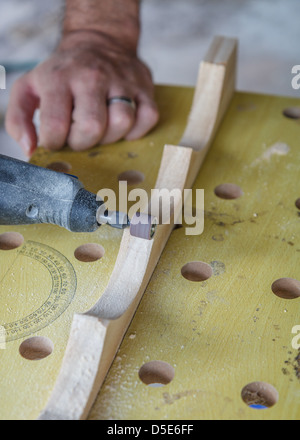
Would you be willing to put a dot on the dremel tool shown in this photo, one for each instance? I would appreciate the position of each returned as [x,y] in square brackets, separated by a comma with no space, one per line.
[30,194]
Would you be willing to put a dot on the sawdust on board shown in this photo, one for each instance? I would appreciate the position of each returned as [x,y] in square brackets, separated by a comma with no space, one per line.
[297,365]
[278,149]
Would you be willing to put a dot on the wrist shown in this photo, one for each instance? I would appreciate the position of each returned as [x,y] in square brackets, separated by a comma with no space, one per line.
[113,23]
[97,39]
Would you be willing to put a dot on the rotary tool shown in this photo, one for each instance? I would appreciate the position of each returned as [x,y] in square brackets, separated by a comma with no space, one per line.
[30,194]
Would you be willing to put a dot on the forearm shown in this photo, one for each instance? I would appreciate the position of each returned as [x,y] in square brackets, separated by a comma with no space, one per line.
[116,20]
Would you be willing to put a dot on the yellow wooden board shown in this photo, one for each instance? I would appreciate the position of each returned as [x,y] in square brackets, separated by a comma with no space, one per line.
[218,335]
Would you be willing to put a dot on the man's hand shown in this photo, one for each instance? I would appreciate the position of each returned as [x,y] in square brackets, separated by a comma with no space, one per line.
[72,89]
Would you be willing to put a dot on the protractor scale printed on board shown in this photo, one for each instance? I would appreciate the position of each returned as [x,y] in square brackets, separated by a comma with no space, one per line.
[39,307]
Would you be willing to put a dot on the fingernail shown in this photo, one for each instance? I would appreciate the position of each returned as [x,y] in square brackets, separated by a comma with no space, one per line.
[26,145]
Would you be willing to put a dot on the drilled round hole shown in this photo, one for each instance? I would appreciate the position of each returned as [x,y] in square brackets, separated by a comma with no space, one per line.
[156,373]
[292,112]
[196,271]
[10,241]
[36,348]
[259,395]
[286,288]
[90,252]
[297,203]
[228,191]
[132,177]
[61,167]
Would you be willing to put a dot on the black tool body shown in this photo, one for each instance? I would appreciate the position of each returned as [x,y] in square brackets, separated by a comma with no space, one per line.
[31,195]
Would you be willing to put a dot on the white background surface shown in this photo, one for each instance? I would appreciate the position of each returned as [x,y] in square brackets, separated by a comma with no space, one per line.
[175,37]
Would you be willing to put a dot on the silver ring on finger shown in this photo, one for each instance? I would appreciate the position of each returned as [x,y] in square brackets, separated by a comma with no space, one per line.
[123,99]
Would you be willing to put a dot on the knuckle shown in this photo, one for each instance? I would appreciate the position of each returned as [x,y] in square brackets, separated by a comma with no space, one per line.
[90,78]
[151,114]
[51,141]
[95,76]
[53,132]
[122,120]
[91,128]
[53,125]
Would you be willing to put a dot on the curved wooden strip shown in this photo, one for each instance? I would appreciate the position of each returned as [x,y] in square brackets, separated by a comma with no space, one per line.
[76,379]
[135,254]
[215,86]
[137,258]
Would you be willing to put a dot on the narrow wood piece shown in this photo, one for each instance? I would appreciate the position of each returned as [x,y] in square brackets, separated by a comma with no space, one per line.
[83,369]
[82,359]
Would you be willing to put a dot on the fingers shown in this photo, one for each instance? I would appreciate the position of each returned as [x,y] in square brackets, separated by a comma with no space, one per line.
[55,117]
[19,116]
[147,116]
[76,112]
[121,119]
[96,123]
[89,118]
